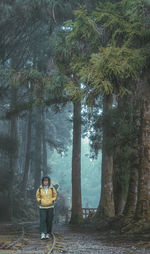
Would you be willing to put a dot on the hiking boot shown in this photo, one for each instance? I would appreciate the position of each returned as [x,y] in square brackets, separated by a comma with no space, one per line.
[42,236]
[47,236]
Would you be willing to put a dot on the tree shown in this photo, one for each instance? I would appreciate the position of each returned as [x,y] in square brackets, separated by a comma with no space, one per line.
[111,60]
[28,153]
[143,204]
[76,214]
[22,24]
[106,205]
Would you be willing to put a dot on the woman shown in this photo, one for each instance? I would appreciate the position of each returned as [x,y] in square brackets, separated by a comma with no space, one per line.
[46,195]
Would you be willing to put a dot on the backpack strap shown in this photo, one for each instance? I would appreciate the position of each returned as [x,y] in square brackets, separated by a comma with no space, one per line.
[52,191]
[40,193]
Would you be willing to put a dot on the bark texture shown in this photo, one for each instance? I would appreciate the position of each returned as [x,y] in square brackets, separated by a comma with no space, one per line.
[76,214]
[13,156]
[28,151]
[106,206]
[38,147]
[45,166]
[131,202]
[143,203]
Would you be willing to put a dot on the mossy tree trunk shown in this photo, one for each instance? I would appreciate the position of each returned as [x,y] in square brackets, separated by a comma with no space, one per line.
[106,205]
[76,214]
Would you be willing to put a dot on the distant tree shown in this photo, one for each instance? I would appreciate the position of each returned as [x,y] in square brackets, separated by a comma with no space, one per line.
[23,24]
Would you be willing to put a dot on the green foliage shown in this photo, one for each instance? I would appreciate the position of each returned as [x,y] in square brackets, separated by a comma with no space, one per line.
[74,91]
[56,84]
[134,9]
[109,69]
[109,47]
[83,30]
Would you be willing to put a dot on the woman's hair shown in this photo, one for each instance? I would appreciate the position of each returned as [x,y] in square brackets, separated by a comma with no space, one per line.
[48,178]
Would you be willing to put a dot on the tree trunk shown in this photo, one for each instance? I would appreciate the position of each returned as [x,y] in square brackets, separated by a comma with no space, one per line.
[27,157]
[13,156]
[38,147]
[143,203]
[119,198]
[106,205]
[45,167]
[76,215]
[131,202]
[21,129]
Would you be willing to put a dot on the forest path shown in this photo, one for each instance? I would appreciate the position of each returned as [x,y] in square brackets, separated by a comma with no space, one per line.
[23,239]
[69,240]
[77,241]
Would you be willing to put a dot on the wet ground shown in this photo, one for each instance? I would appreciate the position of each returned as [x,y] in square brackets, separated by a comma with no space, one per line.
[68,240]
[78,242]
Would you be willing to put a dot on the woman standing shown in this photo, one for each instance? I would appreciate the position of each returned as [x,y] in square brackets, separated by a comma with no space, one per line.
[46,195]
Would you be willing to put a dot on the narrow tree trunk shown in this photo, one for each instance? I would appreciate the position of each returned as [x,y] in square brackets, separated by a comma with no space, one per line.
[13,157]
[106,205]
[27,157]
[45,167]
[38,147]
[76,215]
[143,203]
[21,128]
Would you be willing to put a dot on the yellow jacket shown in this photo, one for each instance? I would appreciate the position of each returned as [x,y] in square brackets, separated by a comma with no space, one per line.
[46,198]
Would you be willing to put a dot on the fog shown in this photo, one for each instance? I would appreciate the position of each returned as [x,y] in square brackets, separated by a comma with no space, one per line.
[90,175]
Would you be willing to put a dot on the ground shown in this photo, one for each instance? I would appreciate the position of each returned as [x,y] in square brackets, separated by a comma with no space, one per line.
[80,241]
[70,240]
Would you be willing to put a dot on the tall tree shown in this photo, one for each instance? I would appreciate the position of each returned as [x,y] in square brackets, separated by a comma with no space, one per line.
[28,153]
[106,205]
[112,61]
[76,214]
[143,202]
[13,135]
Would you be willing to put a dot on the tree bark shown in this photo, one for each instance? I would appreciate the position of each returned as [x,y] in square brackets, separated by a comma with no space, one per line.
[143,203]
[13,156]
[76,214]
[38,148]
[27,158]
[106,205]
[45,167]
[131,202]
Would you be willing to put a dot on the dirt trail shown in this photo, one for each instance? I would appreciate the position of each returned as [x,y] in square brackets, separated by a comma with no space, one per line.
[77,242]
[68,240]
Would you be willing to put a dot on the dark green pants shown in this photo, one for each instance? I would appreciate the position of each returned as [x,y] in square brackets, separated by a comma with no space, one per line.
[46,219]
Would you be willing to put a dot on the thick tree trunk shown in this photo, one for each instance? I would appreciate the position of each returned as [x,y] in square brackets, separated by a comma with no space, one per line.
[27,157]
[76,215]
[143,203]
[131,202]
[106,205]
[119,198]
